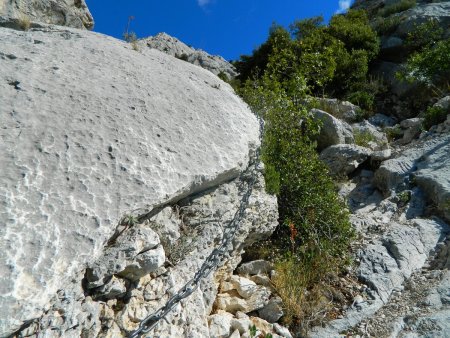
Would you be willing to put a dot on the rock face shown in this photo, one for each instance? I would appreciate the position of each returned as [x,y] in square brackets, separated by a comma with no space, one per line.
[172,46]
[404,251]
[427,164]
[86,143]
[72,13]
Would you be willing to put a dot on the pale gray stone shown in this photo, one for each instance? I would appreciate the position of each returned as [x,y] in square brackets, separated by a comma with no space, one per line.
[85,143]
[220,325]
[343,110]
[172,46]
[273,311]
[367,130]
[333,131]
[255,267]
[72,13]
[282,331]
[343,159]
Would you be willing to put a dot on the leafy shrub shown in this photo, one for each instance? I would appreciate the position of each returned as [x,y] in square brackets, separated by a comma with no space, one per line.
[430,65]
[333,59]
[397,7]
[354,31]
[223,76]
[434,115]
[424,35]
[314,226]
[364,138]
[386,26]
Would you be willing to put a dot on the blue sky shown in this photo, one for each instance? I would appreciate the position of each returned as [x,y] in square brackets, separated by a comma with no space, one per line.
[224,27]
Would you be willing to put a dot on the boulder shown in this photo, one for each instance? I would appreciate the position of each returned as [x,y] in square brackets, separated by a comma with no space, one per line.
[172,46]
[343,110]
[368,135]
[255,267]
[273,311]
[220,325]
[343,159]
[72,13]
[333,131]
[86,143]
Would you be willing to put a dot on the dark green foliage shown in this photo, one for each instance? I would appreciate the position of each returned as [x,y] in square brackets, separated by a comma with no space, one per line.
[386,26]
[333,59]
[397,7]
[431,65]
[354,31]
[306,194]
[301,29]
[255,64]
[424,35]
[434,115]
[223,77]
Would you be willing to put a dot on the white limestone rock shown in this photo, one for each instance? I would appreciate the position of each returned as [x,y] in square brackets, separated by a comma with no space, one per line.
[84,143]
[427,161]
[343,159]
[333,130]
[172,46]
[72,13]
[220,325]
[255,267]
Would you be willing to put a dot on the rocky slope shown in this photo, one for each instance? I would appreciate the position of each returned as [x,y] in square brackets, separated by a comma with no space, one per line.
[120,175]
[20,13]
[399,198]
[172,46]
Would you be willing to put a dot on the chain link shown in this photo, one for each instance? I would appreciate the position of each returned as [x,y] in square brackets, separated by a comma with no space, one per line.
[214,259]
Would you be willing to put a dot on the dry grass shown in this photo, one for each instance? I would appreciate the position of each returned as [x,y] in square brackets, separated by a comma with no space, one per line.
[307,292]
[24,22]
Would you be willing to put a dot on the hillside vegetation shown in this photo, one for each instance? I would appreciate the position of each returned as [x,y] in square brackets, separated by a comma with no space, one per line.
[314,59]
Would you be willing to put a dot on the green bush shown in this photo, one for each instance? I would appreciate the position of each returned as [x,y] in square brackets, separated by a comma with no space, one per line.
[424,35]
[386,26]
[431,65]
[333,59]
[397,7]
[305,190]
[223,76]
[364,138]
[354,31]
[434,115]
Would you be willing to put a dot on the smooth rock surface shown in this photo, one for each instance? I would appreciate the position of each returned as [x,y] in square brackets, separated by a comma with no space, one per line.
[333,130]
[84,143]
[72,13]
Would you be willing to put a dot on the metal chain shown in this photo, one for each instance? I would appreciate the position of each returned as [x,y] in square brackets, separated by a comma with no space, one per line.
[214,259]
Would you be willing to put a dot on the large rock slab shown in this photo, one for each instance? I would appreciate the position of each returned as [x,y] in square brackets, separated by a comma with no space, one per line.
[72,13]
[93,130]
[424,163]
[172,46]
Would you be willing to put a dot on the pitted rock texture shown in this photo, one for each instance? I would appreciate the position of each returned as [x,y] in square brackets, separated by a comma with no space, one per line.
[198,222]
[72,13]
[85,143]
[172,46]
